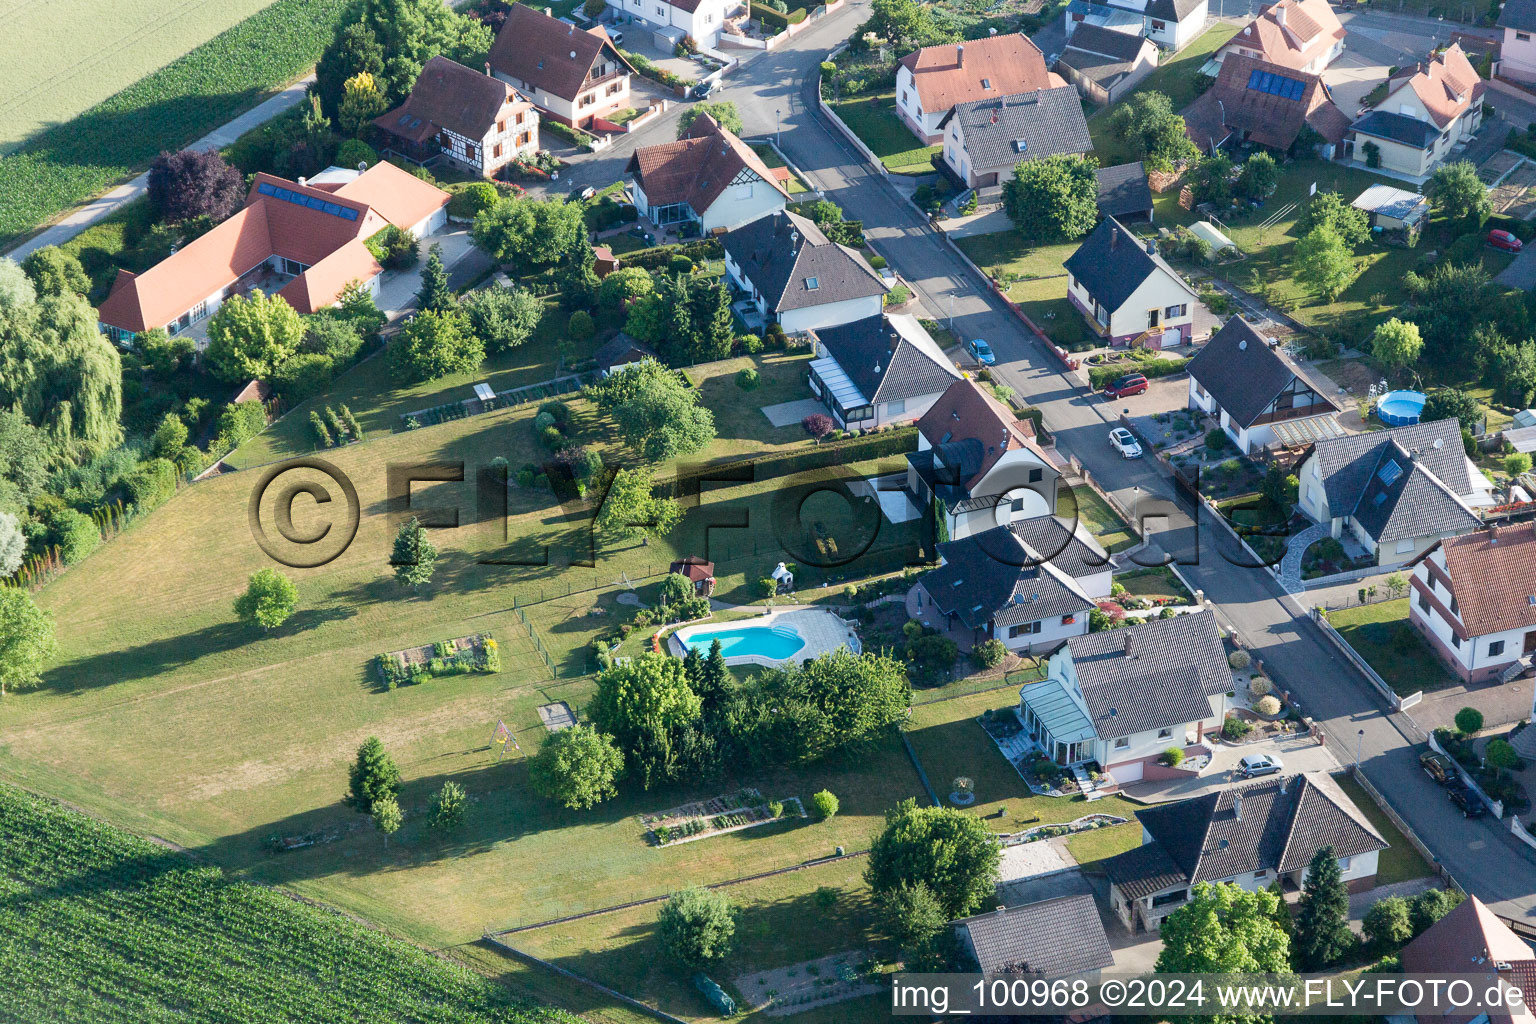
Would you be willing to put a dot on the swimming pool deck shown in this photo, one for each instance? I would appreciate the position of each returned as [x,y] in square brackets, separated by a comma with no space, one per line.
[823,631]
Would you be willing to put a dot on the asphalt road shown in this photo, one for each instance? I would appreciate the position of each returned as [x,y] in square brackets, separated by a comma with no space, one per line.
[1482,857]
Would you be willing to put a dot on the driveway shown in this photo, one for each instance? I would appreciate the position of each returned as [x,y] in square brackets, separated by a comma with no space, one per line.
[1298,753]
[1351,77]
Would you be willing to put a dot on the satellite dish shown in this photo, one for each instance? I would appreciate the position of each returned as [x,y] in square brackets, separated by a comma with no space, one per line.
[1439,443]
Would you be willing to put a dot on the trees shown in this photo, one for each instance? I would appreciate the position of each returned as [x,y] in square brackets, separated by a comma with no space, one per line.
[577,767]
[1501,756]
[1430,906]
[825,804]
[625,285]
[13,545]
[251,336]
[194,183]
[1324,261]
[361,102]
[1455,190]
[449,806]
[655,414]
[269,598]
[1053,199]
[1452,403]
[16,288]
[373,776]
[687,318]
[56,272]
[697,927]
[1396,343]
[832,701]
[580,326]
[1469,721]
[1224,929]
[674,589]
[394,248]
[1452,298]
[1322,914]
[331,336]
[912,915]
[644,705]
[1328,209]
[1517,464]
[434,345]
[1512,371]
[26,639]
[435,296]
[58,370]
[1259,177]
[503,317]
[531,232]
[415,556]
[629,509]
[387,816]
[906,24]
[391,40]
[1147,120]
[723,111]
[1211,180]
[1386,924]
[353,50]
[953,853]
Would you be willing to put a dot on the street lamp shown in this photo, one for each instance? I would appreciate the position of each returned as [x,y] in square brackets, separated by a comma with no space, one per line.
[1359,741]
[778,128]
[951,309]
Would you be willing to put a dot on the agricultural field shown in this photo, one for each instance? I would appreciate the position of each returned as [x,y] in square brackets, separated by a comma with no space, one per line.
[62,57]
[73,158]
[110,928]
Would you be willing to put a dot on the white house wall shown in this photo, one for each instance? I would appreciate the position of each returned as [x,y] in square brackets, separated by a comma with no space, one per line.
[1517,57]
[1158,291]
[741,204]
[830,314]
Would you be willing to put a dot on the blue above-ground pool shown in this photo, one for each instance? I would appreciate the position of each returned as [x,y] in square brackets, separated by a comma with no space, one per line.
[1400,408]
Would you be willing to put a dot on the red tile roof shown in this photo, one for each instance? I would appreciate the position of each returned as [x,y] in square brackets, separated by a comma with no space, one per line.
[697,168]
[1270,119]
[398,196]
[1291,32]
[1469,940]
[1446,84]
[966,410]
[548,53]
[1493,578]
[954,73]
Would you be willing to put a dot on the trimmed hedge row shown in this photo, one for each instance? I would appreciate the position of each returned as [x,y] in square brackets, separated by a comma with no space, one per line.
[166,110]
[657,257]
[1099,376]
[901,441]
[769,16]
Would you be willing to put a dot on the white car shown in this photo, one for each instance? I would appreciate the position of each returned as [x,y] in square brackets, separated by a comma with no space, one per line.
[1254,765]
[1125,443]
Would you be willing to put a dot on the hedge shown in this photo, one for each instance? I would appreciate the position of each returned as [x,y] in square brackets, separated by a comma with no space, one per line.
[769,16]
[658,257]
[166,110]
[574,135]
[1099,376]
[901,441]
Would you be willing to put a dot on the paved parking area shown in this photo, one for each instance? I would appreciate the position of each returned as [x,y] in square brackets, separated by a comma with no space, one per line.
[1351,77]
[1298,753]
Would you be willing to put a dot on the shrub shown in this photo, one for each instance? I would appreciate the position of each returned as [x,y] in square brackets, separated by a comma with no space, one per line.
[355,151]
[1215,439]
[751,344]
[825,805]
[558,412]
[1258,685]
[394,247]
[552,439]
[1387,925]
[1172,757]
[1268,705]
[479,195]
[76,535]
[776,808]
[989,653]
[1235,728]
[818,424]
[897,295]
[1468,721]
[747,379]
[580,327]
[1239,660]
[1517,463]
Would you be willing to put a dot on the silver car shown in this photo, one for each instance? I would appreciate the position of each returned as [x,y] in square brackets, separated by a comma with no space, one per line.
[1254,765]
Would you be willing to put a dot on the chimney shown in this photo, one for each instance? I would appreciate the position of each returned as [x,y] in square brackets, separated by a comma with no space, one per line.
[1283,783]
[487,69]
[1493,533]
[994,117]
[548,13]
[1279,10]
[302,180]
[1114,239]
[1002,909]
[1237,806]
[960,56]
[1127,643]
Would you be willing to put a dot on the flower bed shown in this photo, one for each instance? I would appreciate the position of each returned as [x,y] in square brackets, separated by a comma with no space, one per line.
[460,656]
[730,812]
[1086,823]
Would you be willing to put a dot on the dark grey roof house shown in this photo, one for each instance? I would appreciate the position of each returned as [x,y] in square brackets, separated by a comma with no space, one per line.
[1258,396]
[1395,492]
[879,370]
[997,586]
[985,139]
[1519,15]
[1124,192]
[1104,64]
[1054,938]
[1122,697]
[795,274]
[1254,834]
[621,351]
[1127,291]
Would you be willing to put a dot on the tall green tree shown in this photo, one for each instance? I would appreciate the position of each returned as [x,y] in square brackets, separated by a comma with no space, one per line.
[1386,924]
[60,372]
[372,777]
[829,702]
[1224,929]
[450,804]
[723,111]
[251,336]
[1054,199]
[630,510]
[1322,260]
[435,296]
[1512,372]
[1211,179]
[1329,209]
[387,817]
[1322,914]
[531,233]
[1146,119]
[13,544]
[1451,299]
[655,413]
[16,288]
[697,927]
[1452,403]
[646,705]
[268,601]
[414,556]
[1259,177]
[503,317]
[1430,906]
[912,915]
[56,272]
[26,640]
[361,102]
[1397,343]
[951,852]
[577,767]
[1455,190]
[906,24]
[435,345]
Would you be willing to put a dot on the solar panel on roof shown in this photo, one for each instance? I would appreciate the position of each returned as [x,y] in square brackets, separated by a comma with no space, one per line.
[1276,85]
[404,118]
[309,202]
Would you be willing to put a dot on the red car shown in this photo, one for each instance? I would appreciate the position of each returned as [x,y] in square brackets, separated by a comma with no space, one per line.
[1130,384]
[1501,239]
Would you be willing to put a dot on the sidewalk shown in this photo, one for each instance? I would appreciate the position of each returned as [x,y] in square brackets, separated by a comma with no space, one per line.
[102,206]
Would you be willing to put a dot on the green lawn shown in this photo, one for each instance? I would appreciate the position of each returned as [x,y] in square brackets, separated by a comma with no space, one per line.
[1083,503]
[1032,277]
[771,158]
[1156,581]
[1175,79]
[1088,848]
[1400,862]
[950,743]
[1381,634]
[874,119]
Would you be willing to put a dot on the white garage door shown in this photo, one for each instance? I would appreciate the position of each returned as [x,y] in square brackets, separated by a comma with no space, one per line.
[1128,772]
